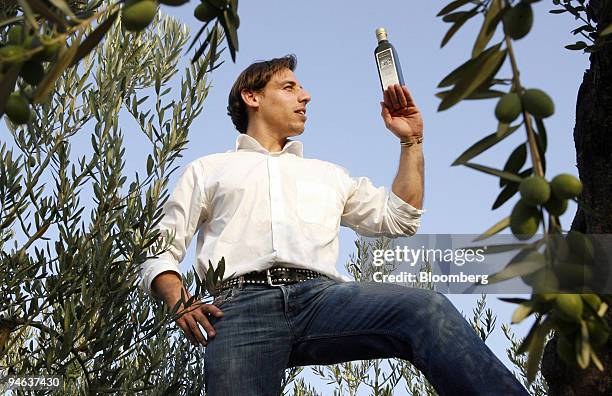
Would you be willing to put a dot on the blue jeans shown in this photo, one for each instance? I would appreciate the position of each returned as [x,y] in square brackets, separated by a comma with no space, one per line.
[267,329]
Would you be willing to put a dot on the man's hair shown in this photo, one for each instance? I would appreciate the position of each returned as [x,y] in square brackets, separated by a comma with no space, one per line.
[254,78]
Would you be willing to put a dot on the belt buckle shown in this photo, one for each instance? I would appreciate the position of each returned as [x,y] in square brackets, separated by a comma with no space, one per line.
[269,278]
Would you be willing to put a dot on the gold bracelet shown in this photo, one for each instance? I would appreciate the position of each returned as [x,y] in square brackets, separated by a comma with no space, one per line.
[414,140]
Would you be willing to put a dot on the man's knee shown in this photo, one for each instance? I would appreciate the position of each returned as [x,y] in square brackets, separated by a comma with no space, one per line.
[440,302]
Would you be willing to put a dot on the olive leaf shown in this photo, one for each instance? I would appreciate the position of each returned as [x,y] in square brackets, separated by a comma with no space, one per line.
[230,29]
[577,46]
[485,70]
[583,347]
[495,172]
[508,192]
[596,361]
[495,249]
[63,7]
[459,20]
[452,6]
[516,268]
[8,84]
[536,348]
[94,38]
[521,312]
[39,7]
[606,31]
[489,25]
[28,14]
[467,68]
[541,141]
[56,71]
[484,144]
[496,228]
[513,300]
[515,161]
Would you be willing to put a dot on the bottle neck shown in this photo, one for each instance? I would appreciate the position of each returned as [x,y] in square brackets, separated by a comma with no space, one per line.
[383,41]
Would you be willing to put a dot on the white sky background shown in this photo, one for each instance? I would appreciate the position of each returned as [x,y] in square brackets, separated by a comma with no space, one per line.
[334,43]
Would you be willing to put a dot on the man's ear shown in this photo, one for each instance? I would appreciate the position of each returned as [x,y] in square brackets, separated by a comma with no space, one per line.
[250,98]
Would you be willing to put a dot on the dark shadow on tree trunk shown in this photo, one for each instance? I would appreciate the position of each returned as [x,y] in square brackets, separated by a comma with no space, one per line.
[593,141]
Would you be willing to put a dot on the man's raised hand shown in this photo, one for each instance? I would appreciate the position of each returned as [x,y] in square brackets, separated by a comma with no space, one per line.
[400,113]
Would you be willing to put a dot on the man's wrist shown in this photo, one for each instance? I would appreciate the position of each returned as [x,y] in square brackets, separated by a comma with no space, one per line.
[411,141]
[416,146]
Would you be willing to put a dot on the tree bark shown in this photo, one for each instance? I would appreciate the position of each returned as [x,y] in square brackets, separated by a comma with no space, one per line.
[593,142]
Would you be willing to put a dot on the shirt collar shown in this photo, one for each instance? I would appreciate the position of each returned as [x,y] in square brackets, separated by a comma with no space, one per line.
[246,142]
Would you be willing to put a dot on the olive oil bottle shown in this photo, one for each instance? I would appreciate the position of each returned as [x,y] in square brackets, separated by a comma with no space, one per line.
[387,61]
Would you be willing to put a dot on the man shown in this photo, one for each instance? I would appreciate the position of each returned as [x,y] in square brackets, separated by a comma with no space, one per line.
[274,215]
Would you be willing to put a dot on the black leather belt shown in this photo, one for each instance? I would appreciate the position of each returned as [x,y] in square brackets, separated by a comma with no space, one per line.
[274,276]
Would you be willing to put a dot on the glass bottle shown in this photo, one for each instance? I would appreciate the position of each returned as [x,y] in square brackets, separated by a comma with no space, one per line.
[387,61]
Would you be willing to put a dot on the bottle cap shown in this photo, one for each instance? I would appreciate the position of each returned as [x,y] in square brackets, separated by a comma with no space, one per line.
[381,34]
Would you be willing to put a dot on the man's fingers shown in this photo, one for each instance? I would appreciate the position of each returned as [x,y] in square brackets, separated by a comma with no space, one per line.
[195,329]
[387,98]
[213,310]
[201,318]
[393,97]
[401,96]
[187,331]
[409,97]
[384,112]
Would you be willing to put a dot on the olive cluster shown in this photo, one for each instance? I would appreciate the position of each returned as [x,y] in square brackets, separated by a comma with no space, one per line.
[208,10]
[518,20]
[568,312]
[23,44]
[536,191]
[535,101]
[566,269]
[566,264]
[32,52]
[136,15]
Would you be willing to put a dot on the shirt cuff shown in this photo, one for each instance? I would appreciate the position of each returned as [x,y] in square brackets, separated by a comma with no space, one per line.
[153,267]
[404,207]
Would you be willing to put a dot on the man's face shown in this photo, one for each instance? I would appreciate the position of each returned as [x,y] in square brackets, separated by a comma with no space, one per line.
[282,104]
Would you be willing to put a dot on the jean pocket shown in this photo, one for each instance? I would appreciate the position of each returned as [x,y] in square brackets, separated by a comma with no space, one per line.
[224,297]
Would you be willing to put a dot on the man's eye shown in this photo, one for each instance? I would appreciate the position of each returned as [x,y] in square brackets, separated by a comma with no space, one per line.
[289,86]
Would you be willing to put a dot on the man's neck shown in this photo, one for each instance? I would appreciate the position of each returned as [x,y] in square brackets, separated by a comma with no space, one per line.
[271,143]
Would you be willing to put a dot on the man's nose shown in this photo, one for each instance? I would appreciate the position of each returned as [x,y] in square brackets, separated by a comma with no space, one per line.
[305,96]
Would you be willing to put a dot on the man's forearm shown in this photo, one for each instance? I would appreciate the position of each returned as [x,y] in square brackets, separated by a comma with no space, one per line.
[409,182]
[167,286]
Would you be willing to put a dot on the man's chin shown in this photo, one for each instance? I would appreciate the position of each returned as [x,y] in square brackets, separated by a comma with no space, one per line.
[296,132]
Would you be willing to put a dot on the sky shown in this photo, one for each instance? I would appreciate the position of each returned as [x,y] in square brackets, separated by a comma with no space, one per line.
[334,43]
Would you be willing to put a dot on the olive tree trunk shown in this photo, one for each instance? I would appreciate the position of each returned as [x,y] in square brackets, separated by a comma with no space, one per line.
[593,141]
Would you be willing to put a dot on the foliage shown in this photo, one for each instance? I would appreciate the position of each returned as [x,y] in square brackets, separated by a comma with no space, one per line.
[536,388]
[595,40]
[550,263]
[47,38]
[71,304]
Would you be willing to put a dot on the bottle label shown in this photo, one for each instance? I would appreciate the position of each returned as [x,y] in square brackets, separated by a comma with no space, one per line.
[387,69]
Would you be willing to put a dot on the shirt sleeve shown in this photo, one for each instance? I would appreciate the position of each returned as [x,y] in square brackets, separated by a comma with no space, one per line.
[182,213]
[374,211]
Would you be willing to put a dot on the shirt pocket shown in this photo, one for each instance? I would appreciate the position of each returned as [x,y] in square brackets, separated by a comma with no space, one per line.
[317,204]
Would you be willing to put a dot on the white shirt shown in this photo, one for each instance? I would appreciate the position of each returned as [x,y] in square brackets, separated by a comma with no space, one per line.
[258,209]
